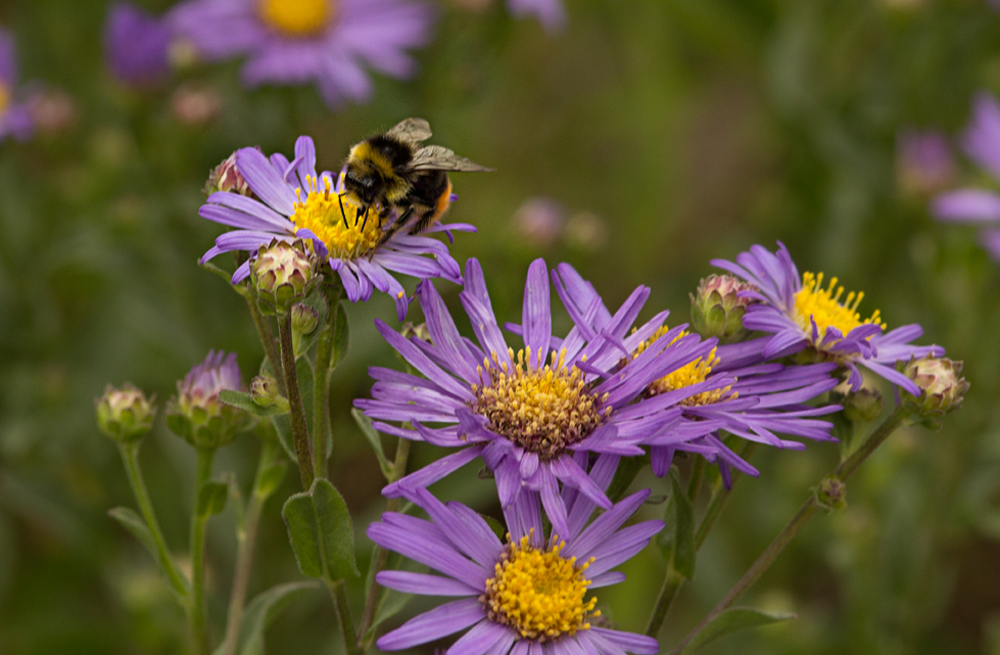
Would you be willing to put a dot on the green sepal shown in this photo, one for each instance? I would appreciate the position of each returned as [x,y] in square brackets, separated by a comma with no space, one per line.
[375,440]
[245,402]
[320,531]
[733,620]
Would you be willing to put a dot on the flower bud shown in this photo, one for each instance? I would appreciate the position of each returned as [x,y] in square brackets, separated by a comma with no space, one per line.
[226,177]
[304,318]
[831,493]
[282,274]
[862,406]
[265,392]
[941,387]
[124,414]
[717,308]
[197,414]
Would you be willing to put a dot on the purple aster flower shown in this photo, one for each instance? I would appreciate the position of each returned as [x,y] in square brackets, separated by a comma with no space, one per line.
[197,413]
[525,417]
[924,162]
[136,45]
[528,596]
[15,117]
[801,314]
[981,142]
[300,41]
[550,13]
[291,200]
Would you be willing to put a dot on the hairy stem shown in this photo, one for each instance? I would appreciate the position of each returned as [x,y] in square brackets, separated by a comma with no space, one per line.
[343,609]
[130,457]
[382,557]
[795,525]
[297,413]
[246,538]
[697,475]
[267,341]
[199,621]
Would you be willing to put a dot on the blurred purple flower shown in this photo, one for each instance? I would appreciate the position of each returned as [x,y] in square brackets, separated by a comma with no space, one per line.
[527,597]
[539,221]
[801,314]
[15,116]
[299,41]
[981,141]
[136,44]
[528,414]
[550,13]
[292,201]
[924,161]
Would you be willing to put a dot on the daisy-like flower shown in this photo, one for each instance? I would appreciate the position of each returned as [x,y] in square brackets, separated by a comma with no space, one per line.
[528,596]
[526,413]
[550,13]
[301,41]
[136,45]
[15,116]
[981,142]
[752,402]
[290,200]
[801,313]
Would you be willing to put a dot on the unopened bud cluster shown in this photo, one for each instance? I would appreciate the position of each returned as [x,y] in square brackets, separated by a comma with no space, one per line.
[124,414]
[226,177]
[717,308]
[197,414]
[265,392]
[283,273]
[941,385]
[831,494]
[862,406]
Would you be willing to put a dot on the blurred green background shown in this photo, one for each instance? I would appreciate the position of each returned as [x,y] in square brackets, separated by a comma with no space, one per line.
[663,133]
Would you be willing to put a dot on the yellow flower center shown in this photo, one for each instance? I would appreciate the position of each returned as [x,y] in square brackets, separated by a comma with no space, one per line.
[539,593]
[542,409]
[297,18]
[687,375]
[4,97]
[824,307]
[337,224]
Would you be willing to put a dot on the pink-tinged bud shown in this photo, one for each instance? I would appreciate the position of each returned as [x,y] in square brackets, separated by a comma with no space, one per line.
[226,177]
[265,392]
[283,274]
[941,386]
[717,308]
[831,493]
[124,414]
[197,414]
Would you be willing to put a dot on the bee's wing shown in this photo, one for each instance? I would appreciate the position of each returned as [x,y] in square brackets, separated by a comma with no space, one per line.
[413,130]
[439,158]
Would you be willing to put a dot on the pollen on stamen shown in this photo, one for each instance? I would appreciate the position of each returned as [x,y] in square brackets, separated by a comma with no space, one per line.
[538,592]
[543,409]
[690,374]
[814,303]
[335,223]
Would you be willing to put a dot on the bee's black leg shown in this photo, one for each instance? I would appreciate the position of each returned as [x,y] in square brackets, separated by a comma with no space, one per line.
[400,222]
[363,224]
[343,214]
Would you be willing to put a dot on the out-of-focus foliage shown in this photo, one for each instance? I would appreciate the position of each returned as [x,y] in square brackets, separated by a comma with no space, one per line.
[666,132]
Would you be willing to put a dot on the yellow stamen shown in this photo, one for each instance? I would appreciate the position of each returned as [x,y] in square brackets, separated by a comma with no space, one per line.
[539,593]
[543,409]
[336,224]
[297,18]
[824,307]
[687,375]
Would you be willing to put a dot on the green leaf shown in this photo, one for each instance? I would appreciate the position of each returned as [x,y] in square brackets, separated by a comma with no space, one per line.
[684,550]
[271,478]
[134,523]
[375,439]
[212,498]
[320,531]
[733,620]
[341,336]
[282,424]
[628,469]
[496,526]
[245,402]
[261,612]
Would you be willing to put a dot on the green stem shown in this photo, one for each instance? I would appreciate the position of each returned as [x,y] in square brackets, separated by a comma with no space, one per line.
[199,621]
[382,558]
[794,526]
[246,538]
[343,609]
[267,340]
[697,475]
[130,457]
[321,391]
[673,581]
[300,431]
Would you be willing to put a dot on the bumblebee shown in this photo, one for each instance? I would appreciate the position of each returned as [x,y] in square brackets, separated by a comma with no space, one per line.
[394,170]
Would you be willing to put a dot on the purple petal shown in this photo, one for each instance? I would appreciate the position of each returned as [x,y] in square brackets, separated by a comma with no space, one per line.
[439,622]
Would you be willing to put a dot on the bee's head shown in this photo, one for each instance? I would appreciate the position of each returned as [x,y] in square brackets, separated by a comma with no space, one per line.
[362,185]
